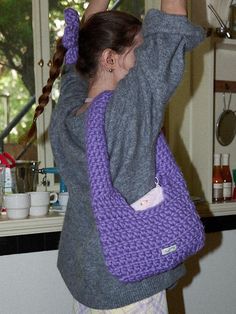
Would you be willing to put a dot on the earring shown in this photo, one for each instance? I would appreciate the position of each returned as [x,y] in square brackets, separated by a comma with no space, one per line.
[110,70]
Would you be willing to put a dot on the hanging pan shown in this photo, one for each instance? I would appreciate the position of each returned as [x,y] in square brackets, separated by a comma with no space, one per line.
[226,124]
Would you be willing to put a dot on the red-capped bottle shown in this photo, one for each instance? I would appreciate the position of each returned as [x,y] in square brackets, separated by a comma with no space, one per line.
[217,180]
[227,178]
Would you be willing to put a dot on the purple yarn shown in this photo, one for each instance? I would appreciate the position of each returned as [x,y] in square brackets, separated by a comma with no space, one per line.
[71,35]
[136,244]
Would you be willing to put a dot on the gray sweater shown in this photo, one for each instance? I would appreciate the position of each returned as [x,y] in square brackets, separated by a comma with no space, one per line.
[133,121]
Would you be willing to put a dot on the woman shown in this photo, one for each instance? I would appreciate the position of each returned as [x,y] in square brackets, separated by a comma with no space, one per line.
[142,65]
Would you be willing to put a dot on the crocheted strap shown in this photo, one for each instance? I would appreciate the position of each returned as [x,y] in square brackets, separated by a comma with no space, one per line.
[97,155]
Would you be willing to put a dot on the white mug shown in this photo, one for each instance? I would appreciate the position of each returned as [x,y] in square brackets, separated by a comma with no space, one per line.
[40,202]
[43,198]
[38,211]
[17,205]
[63,199]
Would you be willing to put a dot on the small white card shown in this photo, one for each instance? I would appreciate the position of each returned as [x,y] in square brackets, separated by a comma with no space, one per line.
[151,199]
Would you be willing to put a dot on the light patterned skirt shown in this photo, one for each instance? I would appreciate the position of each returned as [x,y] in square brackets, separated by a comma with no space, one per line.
[156,304]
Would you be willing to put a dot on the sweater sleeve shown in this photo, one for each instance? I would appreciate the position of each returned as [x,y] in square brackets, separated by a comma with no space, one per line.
[157,72]
[72,92]
[73,88]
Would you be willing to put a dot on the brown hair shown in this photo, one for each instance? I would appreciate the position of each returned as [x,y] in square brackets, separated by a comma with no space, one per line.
[43,100]
[110,29]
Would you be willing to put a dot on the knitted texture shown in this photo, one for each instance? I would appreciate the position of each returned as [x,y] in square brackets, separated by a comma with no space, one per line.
[71,35]
[139,244]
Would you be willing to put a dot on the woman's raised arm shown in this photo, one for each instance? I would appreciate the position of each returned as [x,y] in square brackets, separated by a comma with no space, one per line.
[178,7]
[95,6]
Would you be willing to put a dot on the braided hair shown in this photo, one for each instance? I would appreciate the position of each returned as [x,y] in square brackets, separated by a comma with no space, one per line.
[54,72]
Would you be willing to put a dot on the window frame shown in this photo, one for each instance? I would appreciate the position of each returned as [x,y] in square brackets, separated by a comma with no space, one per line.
[40,13]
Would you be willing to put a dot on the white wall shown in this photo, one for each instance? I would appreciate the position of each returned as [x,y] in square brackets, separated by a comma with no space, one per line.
[210,284]
[31,284]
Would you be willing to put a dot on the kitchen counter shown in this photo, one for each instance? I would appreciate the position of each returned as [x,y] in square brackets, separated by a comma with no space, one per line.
[52,222]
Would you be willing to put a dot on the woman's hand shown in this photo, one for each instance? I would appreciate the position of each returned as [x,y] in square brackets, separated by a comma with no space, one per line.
[95,6]
[178,7]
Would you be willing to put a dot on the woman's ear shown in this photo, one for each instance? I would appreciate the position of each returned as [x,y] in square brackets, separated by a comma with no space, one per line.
[108,60]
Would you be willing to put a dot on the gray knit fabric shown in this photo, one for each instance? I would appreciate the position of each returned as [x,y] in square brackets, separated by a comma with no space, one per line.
[133,120]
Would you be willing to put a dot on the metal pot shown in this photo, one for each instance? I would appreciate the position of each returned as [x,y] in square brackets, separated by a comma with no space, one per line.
[26,176]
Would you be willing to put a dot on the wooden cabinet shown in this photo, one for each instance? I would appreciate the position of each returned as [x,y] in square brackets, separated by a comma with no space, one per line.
[193,114]
[193,111]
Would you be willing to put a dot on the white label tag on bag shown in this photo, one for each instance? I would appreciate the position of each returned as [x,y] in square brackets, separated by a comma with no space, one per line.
[169,249]
[151,199]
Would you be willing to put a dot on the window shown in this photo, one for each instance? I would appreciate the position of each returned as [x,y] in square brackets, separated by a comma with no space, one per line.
[27,36]
[16,69]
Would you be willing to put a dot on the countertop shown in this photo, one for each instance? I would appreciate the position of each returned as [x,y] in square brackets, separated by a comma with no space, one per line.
[52,222]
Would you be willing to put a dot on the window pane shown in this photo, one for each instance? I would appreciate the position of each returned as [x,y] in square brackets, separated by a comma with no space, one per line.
[16,71]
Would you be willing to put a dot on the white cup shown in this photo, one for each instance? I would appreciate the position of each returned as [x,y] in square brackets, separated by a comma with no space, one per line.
[63,199]
[40,202]
[17,205]
[38,211]
[43,198]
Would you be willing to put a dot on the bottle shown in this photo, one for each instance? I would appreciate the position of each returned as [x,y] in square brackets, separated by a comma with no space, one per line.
[217,181]
[234,176]
[227,178]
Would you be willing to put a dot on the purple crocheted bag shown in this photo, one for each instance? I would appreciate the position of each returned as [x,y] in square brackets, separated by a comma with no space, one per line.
[139,244]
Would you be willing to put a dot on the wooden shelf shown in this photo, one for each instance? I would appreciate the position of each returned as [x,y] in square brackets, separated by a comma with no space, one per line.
[216,209]
[51,223]
[226,44]
[225,86]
